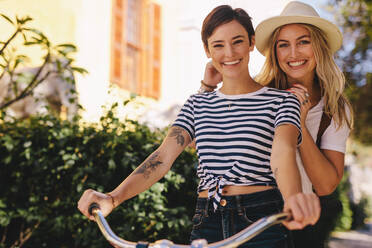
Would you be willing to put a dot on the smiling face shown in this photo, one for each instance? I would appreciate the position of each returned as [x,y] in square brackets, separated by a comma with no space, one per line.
[229,49]
[295,53]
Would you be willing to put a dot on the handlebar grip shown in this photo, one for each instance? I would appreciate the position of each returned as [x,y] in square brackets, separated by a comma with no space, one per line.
[92,207]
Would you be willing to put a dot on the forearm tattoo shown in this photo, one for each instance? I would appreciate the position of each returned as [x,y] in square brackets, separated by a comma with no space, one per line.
[149,165]
[276,172]
[177,133]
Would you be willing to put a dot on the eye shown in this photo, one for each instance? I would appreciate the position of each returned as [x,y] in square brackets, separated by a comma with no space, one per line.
[282,44]
[304,42]
[237,41]
[217,45]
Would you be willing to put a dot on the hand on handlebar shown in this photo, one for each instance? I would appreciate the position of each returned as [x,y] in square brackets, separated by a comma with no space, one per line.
[305,209]
[91,196]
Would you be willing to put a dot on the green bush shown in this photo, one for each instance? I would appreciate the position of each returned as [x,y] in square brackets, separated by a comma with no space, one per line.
[361,212]
[46,164]
[354,214]
[346,218]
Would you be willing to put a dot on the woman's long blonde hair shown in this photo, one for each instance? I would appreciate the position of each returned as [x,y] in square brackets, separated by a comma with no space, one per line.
[329,76]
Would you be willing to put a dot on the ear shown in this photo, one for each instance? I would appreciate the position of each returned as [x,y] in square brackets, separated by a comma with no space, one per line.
[253,42]
[206,50]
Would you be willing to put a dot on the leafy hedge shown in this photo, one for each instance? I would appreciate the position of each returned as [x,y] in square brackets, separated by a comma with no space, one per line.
[346,218]
[47,163]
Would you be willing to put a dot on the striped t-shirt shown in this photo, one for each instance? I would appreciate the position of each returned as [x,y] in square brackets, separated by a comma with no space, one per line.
[234,135]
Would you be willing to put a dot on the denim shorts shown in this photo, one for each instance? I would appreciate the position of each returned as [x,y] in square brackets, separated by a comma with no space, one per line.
[239,212]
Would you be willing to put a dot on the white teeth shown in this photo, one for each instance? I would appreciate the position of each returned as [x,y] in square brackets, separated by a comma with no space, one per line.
[231,62]
[297,63]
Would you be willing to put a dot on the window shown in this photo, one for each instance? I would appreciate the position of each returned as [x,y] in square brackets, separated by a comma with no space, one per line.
[136,46]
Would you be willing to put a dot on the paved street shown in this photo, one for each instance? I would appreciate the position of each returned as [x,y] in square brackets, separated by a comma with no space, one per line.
[353,239]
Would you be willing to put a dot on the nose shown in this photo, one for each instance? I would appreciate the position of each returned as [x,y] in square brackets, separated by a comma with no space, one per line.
[293,51]
[229,51]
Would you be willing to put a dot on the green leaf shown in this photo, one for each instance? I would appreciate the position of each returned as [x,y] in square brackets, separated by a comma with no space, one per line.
[31,43]
[35,31]
[7,18]
[79,188]
[67,45]
[4,219]
[111,164]
[27,144]
[23,20]
[159,226]
[27,153]
[8,159]
[79,69]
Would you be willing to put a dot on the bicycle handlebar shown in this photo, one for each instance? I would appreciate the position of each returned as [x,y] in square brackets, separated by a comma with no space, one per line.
[235,240]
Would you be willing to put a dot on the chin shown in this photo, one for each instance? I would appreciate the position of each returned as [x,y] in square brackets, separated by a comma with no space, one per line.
[297,77]
[231,76]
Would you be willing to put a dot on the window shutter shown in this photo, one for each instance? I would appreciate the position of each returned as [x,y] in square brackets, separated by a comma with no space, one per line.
[156,59]
[117,42]
[136,47]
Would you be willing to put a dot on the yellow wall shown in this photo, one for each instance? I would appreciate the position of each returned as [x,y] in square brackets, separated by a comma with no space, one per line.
[55,18]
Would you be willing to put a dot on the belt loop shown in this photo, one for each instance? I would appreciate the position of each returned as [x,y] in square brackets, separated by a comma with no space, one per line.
[206,207]
[238,205]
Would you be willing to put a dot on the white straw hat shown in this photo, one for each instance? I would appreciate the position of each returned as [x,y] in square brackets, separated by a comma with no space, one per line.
[297,12]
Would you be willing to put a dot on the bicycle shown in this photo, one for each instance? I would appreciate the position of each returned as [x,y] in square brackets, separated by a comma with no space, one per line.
[233,241]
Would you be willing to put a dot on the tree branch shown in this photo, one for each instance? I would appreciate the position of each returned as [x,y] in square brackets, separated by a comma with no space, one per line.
[3,238]
[24,235]
[32,85]
[9,40]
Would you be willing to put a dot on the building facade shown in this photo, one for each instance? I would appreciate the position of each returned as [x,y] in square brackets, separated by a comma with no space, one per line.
[151,48]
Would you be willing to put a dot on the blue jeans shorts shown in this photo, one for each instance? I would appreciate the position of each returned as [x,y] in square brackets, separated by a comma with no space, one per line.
[239,212]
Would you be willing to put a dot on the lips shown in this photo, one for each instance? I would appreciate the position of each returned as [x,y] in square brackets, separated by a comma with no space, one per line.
[231,62]
[296,63]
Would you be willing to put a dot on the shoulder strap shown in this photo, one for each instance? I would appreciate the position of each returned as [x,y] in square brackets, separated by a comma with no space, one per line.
[325,121]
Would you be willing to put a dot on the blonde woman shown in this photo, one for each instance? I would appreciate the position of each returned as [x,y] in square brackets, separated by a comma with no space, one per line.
[299,47]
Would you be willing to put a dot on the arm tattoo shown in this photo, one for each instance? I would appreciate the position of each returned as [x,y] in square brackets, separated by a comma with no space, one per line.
[149,165]
[177,132]
[276,172]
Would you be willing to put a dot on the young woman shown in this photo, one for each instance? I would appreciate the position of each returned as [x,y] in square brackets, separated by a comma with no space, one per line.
[299,46]
[238,131]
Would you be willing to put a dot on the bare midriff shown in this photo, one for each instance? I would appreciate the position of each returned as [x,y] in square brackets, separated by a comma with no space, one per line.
[238,190]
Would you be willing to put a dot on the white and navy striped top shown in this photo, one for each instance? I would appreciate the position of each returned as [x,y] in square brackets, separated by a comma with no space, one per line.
[234,135]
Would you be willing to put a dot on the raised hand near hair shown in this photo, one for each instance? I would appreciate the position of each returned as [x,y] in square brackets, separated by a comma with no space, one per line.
[305,209]
[211,76]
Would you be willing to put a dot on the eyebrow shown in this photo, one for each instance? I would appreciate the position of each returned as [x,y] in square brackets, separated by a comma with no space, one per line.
[299,38]
[235,37]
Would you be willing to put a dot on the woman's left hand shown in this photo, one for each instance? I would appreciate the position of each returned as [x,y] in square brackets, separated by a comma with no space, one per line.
[303,96]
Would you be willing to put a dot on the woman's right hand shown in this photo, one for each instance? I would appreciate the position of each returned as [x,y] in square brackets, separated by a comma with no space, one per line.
[302,95]
[305,209]
[211,76]
[90,196]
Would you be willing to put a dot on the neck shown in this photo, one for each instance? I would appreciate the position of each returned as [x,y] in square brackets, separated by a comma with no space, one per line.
[240,85]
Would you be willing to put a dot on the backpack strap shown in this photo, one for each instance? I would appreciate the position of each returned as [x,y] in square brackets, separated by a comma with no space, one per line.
[325,121]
